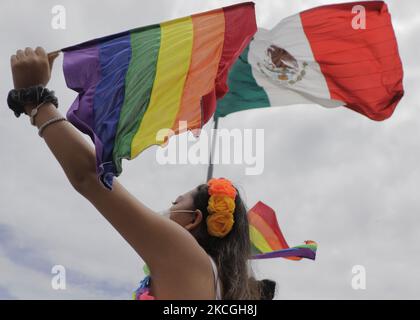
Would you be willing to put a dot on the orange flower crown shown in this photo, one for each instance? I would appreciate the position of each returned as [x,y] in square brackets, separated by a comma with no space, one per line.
[221,207]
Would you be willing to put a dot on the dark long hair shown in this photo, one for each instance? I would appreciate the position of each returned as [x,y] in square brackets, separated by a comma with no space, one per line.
[231,253]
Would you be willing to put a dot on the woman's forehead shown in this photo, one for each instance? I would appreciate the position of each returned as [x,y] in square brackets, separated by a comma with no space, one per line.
[192,192]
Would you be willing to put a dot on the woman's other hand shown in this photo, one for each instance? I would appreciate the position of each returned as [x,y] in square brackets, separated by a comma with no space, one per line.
[31,67]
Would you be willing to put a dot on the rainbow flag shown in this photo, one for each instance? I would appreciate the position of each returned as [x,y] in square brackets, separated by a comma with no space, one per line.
[138,83]
[268,240]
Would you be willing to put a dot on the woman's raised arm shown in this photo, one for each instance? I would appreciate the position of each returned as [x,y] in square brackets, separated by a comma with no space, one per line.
[176,258]
[73,152]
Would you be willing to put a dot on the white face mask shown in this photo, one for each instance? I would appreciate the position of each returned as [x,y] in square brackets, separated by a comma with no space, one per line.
[165,213]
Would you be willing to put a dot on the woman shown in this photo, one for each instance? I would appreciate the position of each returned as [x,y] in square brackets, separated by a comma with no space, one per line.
[200,252]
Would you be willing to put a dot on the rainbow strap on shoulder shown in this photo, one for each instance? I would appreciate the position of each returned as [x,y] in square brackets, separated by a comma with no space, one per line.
[267,239]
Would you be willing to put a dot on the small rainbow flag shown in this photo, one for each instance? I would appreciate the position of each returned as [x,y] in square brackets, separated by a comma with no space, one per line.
[138,83]
[268,240]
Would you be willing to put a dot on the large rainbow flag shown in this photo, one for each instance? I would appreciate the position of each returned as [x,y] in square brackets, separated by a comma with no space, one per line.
[268,240]
[138,83]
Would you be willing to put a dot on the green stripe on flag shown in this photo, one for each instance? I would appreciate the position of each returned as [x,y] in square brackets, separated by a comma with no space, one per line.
[145,45]
[244,92]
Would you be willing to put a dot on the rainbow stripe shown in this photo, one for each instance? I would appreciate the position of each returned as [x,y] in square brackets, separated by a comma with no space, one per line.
[268,240]
[138,83]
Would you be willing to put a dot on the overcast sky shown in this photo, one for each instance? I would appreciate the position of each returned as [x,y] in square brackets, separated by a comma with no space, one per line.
[333,176]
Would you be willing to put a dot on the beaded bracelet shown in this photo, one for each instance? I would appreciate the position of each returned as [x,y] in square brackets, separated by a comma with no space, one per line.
[47,123]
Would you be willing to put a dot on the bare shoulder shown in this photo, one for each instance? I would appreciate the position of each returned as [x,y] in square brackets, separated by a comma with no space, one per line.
[195,282]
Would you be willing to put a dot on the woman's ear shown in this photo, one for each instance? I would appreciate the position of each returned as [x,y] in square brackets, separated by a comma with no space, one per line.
[197,217]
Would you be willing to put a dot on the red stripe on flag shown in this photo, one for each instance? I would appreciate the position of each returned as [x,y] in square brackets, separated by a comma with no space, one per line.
[269,216]
[362,67]
[240,27]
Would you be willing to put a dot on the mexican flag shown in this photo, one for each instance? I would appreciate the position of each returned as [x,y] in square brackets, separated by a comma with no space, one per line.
[333,55]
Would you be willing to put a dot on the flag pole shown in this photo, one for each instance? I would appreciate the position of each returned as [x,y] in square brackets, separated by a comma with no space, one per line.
[54,53]
[213,147]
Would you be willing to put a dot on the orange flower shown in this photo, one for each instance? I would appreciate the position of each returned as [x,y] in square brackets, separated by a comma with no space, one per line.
[219,224]
[221,204]
[221,186]
[221,207]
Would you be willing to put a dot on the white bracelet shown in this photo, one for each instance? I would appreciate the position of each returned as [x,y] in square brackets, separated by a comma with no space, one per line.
[34,112]
[47,123]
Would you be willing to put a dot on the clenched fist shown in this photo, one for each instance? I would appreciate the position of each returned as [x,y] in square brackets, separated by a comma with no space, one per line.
[31,67]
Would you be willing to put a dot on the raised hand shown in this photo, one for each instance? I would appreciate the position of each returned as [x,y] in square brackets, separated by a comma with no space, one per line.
[31,67]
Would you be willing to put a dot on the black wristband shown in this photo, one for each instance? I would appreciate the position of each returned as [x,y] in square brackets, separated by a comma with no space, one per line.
[18,98]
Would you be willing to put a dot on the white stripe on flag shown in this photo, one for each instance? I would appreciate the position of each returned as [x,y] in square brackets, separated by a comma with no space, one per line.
[288,34]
